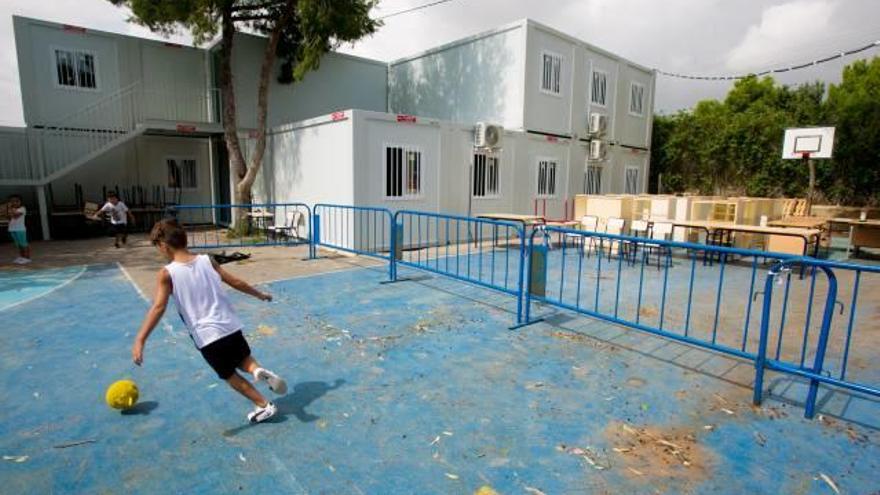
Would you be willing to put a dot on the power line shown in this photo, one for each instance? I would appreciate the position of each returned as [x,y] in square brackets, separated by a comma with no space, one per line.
[778,70]
[413,9]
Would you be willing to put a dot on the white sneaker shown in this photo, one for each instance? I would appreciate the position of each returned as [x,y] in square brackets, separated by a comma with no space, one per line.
[25,261]
[261,414]
[276,383]
[21,261]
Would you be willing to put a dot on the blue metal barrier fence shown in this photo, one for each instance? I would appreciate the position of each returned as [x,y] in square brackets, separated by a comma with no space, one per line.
[667,288]
[362,230]
[251,225]
[834,345]
[484,252]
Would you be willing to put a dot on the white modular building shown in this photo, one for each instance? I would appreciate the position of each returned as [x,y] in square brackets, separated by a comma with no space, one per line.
[107,111]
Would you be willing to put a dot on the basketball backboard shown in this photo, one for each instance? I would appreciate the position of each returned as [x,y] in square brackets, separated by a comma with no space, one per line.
[814,142]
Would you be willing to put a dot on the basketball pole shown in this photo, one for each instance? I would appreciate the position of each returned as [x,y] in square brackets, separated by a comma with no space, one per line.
[812,167]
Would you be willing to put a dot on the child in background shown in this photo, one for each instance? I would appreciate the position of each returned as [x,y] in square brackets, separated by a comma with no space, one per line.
[194,282]
[18,230]
[119,217]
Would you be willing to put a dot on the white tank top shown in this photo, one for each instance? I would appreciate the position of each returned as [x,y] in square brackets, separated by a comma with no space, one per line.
[201,301]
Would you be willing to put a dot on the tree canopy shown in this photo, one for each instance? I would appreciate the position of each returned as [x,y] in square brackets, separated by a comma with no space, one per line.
[298,32]
[734,145]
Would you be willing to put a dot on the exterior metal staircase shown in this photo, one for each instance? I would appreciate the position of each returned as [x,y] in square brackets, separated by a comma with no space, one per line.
[41,154]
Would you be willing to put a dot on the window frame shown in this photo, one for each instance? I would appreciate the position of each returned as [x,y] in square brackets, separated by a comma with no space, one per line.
[590,95]
[626,171]
[489,156]
[180,158]
[545,53]
[421,173]
[598,182]
[632,85]
[53,62]
[546,159]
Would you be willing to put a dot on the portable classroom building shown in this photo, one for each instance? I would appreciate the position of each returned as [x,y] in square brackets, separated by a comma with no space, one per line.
[354,157]
[527,76]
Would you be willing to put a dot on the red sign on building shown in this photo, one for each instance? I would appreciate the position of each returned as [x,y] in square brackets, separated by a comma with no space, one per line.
[335,116]
[410,119]
[73,29]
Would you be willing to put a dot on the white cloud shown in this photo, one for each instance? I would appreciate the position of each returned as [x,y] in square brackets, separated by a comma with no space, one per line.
[784,31]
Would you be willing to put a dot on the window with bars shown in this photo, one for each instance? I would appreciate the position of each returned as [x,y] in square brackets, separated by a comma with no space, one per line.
[551,77]
[593,180]
[546,178]
[599,88]
[636,99]
[632,181]
[485,178]
[403,172]
[182,173]
[75,69]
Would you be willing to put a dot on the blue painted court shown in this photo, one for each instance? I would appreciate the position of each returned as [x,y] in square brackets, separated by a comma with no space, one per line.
[411,387]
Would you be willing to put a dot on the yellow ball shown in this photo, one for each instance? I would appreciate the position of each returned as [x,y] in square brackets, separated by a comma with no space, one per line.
[122,394]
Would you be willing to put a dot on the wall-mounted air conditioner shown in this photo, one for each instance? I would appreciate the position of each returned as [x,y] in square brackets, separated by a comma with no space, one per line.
[597,150]
[598,123]
[488,135]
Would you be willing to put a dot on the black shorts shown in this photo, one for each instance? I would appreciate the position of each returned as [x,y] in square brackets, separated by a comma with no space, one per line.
[226,354]
[118,228]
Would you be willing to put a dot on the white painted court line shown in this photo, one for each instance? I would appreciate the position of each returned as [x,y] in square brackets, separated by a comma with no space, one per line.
[131,280]
[53,289]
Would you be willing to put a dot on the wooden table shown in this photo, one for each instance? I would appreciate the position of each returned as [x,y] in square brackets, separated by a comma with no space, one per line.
[789,240]
[260,218]
[800,222]
[861,233]
[525,220]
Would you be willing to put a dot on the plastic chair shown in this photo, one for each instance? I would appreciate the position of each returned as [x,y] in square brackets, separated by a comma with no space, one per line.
[638,228]
[589,223]
[614,226]
[661,231]
[292,221]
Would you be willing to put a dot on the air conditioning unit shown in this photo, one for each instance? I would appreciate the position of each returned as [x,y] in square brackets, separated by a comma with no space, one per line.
[598,123]
[488,135]
[597,150]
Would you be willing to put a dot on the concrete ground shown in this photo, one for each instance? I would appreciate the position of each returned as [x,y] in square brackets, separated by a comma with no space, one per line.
[412,387]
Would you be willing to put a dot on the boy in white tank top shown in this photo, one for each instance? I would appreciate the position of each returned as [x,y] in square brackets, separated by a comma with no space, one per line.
[194,283]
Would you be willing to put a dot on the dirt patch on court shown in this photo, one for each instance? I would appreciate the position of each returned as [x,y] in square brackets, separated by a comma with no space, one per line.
[651,453]
[649,311]
[635,382]
[265,330]
[581,339]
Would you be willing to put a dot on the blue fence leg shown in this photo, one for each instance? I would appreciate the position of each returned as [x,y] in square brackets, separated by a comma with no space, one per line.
[761,358]
[818,363]
[316,235]
[396,248]
[522,264]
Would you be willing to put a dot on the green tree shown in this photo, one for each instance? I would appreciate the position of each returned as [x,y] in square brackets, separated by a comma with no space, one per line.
[734,145]
[854,107]
[299,33]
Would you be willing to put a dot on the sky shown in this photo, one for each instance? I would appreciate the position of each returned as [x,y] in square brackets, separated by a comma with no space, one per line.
[715,37]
